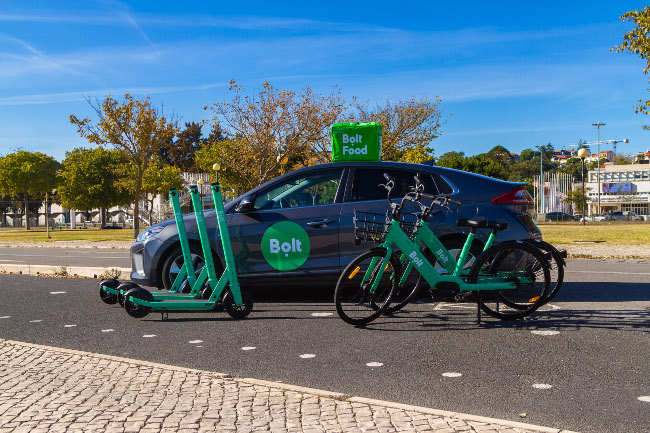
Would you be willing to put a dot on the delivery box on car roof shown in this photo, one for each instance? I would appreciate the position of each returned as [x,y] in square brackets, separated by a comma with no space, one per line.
[356,142]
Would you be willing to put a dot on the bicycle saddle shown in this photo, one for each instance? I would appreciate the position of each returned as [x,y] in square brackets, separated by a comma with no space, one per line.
[475,223]
[498,225]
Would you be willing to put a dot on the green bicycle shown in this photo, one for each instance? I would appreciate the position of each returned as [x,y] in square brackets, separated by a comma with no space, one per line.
[515,270]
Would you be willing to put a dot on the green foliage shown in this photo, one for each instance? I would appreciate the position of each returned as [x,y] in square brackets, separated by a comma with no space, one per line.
[576,198]
[181,153]
[637,41]
[91,178]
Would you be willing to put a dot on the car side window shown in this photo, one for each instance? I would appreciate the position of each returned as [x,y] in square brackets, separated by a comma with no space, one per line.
[312,189]
[366,181]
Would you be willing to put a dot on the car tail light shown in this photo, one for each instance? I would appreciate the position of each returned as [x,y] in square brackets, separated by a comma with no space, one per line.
[516,196]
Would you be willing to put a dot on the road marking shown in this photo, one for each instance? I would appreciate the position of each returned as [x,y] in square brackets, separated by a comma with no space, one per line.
[542,386]
[56,293]
[248,348]
[645,398]
[445,304]
[308,355]
[149,336]
[108,330]
[35,321]
[322,314]
[5,317]
[196,341]
[452,374]
[548,332]
[16,261]
[375,364]
[69,326]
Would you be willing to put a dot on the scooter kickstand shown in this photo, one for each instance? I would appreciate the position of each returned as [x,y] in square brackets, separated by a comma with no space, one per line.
[164,315]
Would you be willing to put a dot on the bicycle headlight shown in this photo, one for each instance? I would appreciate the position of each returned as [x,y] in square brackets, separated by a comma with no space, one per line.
[148,233]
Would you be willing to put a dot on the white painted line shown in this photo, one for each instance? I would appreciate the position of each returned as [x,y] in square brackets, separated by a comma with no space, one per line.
[452,374]
[198,346]
[547,332]
[35,321]
[645,398]
[322,314]
[4,317]
[375,364]
[149,336]
[249,348]
[602,272]
[108,330]
[69,326]
[56,293]
[542,386]
[196,341]
[308,355]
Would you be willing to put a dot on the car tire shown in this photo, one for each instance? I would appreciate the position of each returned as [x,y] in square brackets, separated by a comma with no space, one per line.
[174,262]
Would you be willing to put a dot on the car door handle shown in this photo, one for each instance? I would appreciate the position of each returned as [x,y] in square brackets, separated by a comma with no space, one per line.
[321,223]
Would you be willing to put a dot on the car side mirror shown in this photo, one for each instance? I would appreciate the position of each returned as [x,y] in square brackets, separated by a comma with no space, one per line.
[247,204]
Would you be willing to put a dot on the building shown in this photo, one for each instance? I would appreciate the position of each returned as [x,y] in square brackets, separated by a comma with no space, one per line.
[622,188]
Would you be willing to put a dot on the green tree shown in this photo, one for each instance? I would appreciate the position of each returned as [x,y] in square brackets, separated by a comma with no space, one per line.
[159,179]
[576,198]
[27,173]
[637,41]
[134,127]
[181,153]
[91,178]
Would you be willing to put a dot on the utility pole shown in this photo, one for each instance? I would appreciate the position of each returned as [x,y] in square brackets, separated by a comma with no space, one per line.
[598,125]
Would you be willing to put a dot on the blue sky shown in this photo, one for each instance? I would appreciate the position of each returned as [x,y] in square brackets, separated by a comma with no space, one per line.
[516,74]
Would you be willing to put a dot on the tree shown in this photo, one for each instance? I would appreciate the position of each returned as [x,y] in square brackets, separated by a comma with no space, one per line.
[159,179]
[408,127]
[623,159]
[134,127]
[528,154]
[266,127]
[181,152]
[576,198]
[637,41]
[91,178]
[27,173]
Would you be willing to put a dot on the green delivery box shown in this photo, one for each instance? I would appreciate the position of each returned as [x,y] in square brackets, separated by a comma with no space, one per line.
[356,142]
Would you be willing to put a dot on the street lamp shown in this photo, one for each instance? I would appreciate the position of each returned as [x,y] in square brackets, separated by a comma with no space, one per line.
[582,154]
[598,125]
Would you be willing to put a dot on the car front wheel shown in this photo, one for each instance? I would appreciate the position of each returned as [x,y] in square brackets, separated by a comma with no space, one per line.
[174,263]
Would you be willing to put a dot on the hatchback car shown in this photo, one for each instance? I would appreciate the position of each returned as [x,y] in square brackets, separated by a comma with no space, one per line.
[320,201]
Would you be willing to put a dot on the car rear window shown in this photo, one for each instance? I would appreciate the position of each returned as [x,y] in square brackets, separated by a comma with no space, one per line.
[366,181]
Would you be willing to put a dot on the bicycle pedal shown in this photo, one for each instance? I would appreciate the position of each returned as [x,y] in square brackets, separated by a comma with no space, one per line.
[465,297]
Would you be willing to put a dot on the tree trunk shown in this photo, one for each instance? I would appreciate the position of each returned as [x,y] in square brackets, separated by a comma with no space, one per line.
[102,216]
[27,224]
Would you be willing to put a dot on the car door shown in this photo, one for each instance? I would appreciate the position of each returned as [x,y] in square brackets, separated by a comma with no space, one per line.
[293,227]
[364,194]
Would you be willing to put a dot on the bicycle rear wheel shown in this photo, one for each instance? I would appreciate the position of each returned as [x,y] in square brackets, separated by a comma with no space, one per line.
[522,264]
[354,301]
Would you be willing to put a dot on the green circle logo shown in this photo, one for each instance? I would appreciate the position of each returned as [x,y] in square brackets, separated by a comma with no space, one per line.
[285,246]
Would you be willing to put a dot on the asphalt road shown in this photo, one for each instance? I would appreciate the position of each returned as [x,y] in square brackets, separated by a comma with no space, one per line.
[581,364]
[89,257]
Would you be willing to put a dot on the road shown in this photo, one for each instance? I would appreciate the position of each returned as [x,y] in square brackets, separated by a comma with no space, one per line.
[90,257]
[580,364]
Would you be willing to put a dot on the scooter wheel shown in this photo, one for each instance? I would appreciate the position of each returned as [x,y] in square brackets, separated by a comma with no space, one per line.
[122,289]
[135,310]
[111,283]
[235,311]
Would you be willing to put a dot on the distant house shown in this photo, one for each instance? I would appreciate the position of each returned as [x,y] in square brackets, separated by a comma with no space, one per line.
[642,158]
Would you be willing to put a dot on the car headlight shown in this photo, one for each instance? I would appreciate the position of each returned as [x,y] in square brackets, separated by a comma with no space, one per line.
[151,231]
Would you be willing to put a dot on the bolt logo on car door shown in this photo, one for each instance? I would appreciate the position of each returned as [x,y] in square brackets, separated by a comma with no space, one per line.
[285,246]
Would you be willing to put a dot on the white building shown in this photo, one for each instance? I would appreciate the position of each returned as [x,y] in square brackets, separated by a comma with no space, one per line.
[622,188]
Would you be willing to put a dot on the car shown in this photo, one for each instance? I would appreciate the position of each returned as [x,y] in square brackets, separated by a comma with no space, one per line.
[558,216]
[626,216]
[318,203]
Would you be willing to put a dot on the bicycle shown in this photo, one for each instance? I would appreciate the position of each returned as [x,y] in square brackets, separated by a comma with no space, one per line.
[367,285]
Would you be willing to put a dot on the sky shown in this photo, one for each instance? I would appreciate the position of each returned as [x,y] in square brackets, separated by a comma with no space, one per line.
[511,73]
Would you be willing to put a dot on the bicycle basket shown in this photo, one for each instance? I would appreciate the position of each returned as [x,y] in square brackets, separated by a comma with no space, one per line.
[372,227]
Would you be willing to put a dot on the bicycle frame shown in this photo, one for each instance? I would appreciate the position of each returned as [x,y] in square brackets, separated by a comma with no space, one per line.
[395,236]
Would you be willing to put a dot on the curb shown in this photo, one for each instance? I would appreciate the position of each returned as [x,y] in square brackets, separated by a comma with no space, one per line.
[64,271]
[304,390]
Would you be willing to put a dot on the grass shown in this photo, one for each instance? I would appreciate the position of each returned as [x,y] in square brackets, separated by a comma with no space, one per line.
[615,233]
[38,234]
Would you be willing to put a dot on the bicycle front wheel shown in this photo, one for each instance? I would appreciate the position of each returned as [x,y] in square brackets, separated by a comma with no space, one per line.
[521,264]
[365,287]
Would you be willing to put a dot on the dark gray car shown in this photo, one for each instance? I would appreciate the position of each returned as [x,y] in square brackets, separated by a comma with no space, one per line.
[321,200]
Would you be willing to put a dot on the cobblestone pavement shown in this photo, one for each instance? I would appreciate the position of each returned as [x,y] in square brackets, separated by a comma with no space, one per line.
[45,389]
